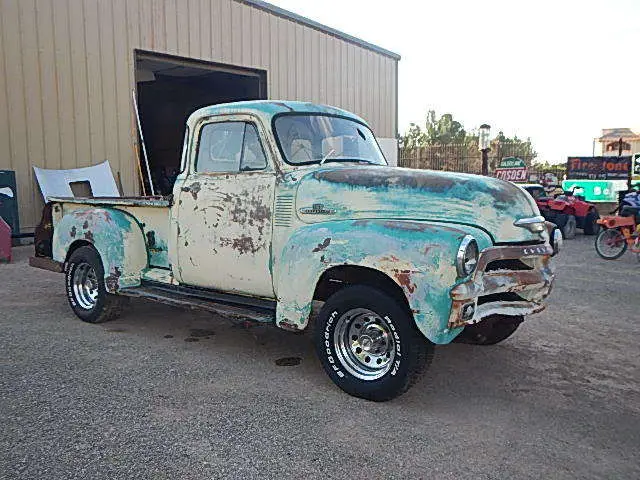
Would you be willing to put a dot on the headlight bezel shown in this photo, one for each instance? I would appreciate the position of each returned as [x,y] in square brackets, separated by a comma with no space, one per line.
[467,250]
[556,241]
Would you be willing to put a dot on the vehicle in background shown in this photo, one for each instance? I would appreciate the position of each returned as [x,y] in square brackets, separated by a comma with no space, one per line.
[619,232]
[279,204]
[568,211]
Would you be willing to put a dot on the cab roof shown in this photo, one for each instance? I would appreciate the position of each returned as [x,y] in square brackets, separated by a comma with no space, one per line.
[267,109]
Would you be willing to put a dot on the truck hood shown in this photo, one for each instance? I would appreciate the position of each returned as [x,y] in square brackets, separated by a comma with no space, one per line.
[359,192]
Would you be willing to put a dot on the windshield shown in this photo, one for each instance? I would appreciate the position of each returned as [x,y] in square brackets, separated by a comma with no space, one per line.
[309,138]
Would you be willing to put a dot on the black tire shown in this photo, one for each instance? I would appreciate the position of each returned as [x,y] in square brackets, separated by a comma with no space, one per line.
[590,225]
[491,330]
[604,240]
[104,306]
[569,228]
[404,366]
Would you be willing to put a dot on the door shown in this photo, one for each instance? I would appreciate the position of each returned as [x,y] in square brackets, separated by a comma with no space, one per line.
[224,209]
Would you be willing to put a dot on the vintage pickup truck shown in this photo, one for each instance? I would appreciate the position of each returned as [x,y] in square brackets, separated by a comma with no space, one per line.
[279,204]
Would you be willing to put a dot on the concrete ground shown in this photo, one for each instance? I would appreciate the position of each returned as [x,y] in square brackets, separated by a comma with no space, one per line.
[139,398]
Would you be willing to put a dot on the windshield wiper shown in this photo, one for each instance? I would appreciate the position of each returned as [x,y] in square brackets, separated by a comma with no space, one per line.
[357,160]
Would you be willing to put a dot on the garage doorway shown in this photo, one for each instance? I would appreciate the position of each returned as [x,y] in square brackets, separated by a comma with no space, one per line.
[169,89]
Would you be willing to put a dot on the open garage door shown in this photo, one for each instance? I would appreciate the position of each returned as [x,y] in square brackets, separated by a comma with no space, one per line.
[169,89]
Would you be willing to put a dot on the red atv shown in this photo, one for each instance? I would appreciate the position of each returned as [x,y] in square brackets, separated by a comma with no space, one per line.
[567,210]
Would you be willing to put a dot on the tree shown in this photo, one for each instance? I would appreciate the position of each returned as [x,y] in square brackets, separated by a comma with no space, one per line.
[442,131]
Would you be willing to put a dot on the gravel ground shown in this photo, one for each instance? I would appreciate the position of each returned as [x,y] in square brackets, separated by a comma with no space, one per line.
[134,399]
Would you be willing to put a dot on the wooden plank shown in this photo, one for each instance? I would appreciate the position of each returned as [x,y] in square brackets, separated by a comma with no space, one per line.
[80,85]
[147,40]
[64,81]
[246,34]
[171,26]
[194,28]
[314,67]
[236,33]
[298,63]
[323,68]
[109,90]
[33,103]
[225,38]
[255,34]
[124,66]
[274,75]
[48,83]
[183,27]
[158,25]
[133,24]
[205,29]
[265,40]
[94,81]
[5,135]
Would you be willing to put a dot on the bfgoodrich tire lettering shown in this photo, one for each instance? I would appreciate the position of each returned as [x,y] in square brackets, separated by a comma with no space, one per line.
[380,370]
[85,289]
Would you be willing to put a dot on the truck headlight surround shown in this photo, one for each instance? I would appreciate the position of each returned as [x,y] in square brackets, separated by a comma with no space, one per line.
[467,256]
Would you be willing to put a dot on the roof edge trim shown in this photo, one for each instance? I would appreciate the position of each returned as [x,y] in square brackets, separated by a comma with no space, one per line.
[281,12]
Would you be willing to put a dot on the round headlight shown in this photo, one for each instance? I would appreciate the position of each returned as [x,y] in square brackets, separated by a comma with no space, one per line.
[467,258]
[556,239]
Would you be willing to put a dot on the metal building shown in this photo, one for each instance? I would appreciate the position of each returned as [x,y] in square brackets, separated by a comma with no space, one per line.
[68,67]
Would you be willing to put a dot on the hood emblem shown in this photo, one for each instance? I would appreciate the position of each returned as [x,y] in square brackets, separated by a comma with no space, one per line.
[317,209]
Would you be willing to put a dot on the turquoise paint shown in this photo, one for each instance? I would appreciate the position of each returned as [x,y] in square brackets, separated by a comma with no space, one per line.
[354,192]
[116,236]
[426,250]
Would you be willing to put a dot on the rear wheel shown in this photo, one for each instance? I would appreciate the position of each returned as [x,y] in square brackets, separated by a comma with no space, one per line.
[591,227]
[358,338]
[85,287]
[611,244]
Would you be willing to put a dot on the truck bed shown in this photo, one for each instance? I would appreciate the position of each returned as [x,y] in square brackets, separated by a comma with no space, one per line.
[157,201]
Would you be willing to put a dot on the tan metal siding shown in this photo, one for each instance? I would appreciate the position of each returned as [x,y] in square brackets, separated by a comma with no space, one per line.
[66,74]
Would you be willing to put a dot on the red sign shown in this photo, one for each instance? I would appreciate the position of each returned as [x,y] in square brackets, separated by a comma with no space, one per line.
[513,174]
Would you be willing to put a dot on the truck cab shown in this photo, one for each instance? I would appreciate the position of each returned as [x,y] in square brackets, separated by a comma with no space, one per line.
[279,204]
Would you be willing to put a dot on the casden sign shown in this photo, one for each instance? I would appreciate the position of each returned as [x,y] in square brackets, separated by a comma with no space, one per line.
[512,169]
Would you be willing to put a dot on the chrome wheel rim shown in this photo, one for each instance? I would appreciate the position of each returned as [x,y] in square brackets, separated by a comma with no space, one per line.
[364,344]
[85,286]
[611,242]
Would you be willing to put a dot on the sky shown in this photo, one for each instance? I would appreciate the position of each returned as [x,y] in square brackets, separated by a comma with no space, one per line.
[555,71]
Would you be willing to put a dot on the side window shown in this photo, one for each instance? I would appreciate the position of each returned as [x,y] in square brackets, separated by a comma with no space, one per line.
[229,147]
[220,147]
[253,157]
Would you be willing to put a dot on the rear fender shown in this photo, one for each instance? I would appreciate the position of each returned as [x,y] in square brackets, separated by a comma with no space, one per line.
[116,236]
[418,256]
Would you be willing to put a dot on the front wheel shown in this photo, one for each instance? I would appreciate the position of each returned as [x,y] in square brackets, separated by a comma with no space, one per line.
[369,345]
[611,244]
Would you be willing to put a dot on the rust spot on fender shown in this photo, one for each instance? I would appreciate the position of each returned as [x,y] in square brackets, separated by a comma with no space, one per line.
[85,225]
[73,232]
[404,279]
[322,246]
[88,235]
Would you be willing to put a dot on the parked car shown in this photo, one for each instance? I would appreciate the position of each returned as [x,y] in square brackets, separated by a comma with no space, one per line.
[568,211]
[279,204]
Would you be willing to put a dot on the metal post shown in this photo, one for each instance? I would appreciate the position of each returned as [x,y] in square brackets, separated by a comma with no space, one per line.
[485,162]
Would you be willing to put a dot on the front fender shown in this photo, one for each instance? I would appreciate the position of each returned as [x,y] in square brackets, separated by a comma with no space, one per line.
[115,235]
[418,256]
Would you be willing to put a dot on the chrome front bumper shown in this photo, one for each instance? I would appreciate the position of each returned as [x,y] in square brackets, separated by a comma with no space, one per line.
[493,289]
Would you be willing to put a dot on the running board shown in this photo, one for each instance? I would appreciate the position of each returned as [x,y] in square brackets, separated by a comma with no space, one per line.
[225,304]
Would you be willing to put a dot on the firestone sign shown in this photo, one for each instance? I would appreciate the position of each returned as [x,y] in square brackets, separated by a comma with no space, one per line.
[512,169]
[598,168]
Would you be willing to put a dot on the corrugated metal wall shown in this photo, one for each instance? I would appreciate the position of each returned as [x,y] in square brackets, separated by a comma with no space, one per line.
[67,70]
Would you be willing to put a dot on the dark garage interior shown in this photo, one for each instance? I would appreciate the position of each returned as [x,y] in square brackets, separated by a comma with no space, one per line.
[169,89]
